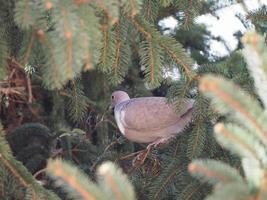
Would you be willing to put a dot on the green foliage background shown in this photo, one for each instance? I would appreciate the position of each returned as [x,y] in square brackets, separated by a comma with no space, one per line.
[61,59]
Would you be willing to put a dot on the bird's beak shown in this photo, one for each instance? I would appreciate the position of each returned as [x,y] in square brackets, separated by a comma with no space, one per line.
[111,109]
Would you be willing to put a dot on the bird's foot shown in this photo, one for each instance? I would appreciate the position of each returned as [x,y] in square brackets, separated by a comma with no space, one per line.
[141,157]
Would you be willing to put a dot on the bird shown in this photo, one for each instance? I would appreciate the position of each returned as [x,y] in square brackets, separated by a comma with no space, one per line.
[151,120]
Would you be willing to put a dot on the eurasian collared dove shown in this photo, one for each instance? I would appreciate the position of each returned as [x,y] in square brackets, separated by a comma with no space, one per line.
[149,119]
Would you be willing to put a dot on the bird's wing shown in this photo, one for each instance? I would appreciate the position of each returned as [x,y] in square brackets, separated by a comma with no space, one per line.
[151,113]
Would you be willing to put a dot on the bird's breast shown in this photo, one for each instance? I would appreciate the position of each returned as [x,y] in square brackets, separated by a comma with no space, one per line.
[119,117]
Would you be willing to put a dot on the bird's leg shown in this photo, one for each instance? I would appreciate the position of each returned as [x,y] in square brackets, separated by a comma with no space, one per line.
[141,157]
[158,142]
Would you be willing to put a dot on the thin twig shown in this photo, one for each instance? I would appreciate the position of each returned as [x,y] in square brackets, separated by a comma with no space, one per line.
[28,81]
[39,172]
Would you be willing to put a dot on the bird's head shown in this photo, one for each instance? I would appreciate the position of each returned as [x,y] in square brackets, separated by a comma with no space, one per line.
[118,97]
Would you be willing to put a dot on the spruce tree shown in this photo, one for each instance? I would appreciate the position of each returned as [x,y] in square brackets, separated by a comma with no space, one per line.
[61,59]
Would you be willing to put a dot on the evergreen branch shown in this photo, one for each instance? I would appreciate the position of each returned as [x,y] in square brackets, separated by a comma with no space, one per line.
[202,109]
[88,60]
[66,17]
[214,172]
[112,185]
[150,10]
[105,39]
[258,17]
[74,179]
[77,102]
[27,47]
[187,14]
[48,5]
[197,140]
[194,191]
[200,135]
[13,170]
[5,156]
[91,35]
[3,56]
[107,49]
[117,57]
[231,191]
[122,53]
[68,37]
[110,8]
[21,173]
[151,55]
[251,151]
[114,182]
[28,81]
[176,52]
[181,89]
[172,170]
[81,2]
[151,58]
[228,99]
[191,190]
[152,61]
[240,142]
[66,47]
[51,71]
[188,11]
[222,4]
[220,68]
[25,13]
[132,6]
[166,3]
[220,129]
[5,150]
[255,55]
[139,27]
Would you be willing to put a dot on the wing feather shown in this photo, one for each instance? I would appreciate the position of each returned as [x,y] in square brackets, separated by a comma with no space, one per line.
[150,113]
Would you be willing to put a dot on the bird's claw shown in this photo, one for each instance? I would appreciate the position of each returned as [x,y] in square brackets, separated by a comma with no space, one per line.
[141,157]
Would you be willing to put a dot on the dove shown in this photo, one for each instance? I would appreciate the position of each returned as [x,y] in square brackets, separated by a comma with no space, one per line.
[150,119]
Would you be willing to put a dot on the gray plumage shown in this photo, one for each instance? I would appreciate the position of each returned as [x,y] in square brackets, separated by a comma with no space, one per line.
[149,119]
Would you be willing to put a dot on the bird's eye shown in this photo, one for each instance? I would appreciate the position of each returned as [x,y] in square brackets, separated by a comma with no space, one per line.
[112,97]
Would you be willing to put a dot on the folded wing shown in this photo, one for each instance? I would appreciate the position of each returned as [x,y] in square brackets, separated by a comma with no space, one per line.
[152,113]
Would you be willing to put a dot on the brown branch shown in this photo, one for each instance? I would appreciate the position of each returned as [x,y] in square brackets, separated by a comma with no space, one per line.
[118,51]
[112,183]
[139,27]
[197,137]
[29,48]
[28,81]
[187,12]
[195,190]
[193,168]
[104,53]
[13,171]
[68,36]
[187,70]
[152,63]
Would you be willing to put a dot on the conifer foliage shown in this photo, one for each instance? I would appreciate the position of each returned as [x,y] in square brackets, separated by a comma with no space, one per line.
[244,136]
[67,35]
[61,59]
